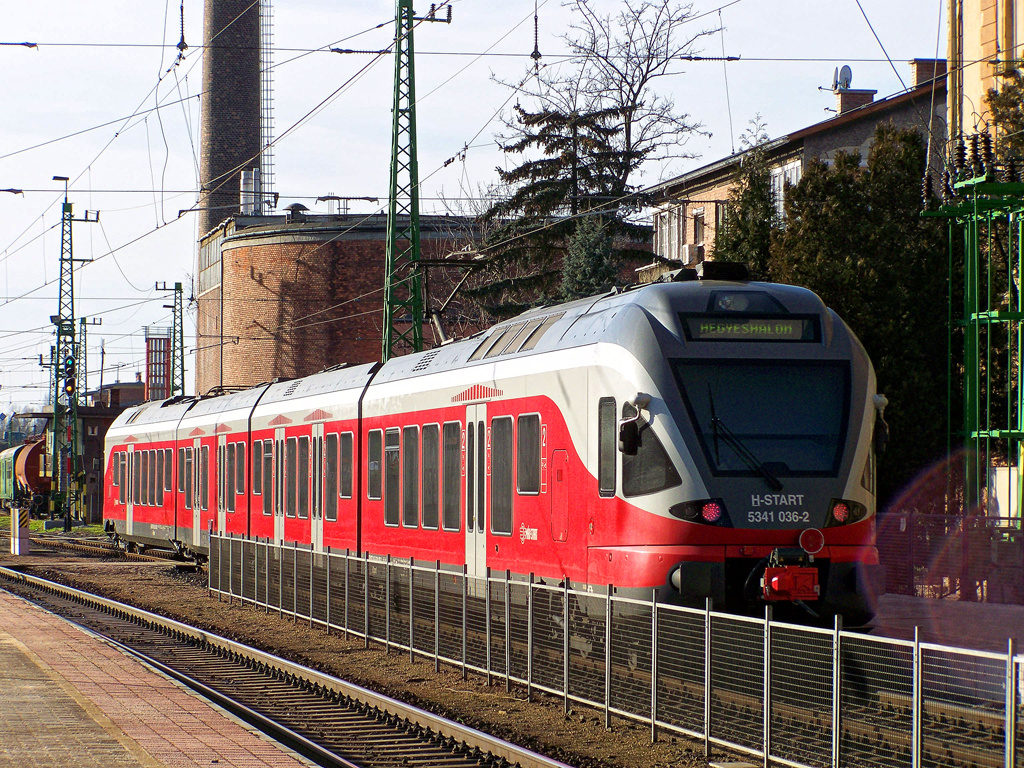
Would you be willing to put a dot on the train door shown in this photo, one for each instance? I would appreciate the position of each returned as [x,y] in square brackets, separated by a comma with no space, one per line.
[559,495]
[476,490]
[129,514]
[316,512]
[279,486]
[222,483]
[197,485]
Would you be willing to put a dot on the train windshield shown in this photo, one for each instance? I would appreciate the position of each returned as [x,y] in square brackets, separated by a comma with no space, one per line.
[769,418]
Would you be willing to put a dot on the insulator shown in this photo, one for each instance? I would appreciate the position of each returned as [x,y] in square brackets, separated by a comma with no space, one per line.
[986,151]
[947,187]
[960,157]
[926,188]
[974,159]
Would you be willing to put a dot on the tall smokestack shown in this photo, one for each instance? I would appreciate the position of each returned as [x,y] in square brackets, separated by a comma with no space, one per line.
[230,117]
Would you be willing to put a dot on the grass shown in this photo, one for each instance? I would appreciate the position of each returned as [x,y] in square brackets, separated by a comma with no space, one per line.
[36,526]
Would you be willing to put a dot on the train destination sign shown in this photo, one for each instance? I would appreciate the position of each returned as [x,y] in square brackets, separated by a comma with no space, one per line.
[749,328]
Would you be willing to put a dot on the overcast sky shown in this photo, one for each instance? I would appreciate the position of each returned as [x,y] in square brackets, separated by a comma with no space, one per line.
[83,104]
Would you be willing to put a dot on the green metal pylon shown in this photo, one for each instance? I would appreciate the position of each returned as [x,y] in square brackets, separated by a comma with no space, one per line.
[177,378]
[403,297]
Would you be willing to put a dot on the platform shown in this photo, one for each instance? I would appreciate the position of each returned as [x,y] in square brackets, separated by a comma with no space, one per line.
[67,698]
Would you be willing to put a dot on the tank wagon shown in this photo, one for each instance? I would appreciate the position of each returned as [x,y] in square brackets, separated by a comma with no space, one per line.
[709,438]
[22,480]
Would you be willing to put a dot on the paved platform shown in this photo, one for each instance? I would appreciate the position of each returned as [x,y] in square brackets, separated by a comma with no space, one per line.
[67,698]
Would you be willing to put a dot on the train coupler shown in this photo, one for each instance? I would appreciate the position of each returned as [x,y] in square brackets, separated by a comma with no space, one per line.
[791,576]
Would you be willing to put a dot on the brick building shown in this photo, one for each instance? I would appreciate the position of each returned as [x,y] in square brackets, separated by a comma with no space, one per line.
[689,209]
[286,296]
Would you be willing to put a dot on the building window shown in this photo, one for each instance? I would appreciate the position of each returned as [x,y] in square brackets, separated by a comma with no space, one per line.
[698,227]
[784,176]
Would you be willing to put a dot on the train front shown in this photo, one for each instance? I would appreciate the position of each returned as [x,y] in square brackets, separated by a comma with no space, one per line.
[774,415]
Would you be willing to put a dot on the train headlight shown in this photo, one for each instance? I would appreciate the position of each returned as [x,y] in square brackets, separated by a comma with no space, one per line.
[704,511]
[844,512]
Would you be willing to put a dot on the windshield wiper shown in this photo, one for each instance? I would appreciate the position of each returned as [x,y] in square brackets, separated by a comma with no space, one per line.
[718,429]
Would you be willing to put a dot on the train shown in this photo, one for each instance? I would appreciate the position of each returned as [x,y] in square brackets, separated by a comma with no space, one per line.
[701,437]
[24,479]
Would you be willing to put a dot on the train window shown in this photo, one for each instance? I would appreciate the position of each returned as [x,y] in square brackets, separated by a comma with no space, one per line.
[268,477]
[303,477]
[331,492]
[391,479]
[239,467]
[606,441]
[188,478]
[501,475]
[373,460]
[531,341]
[481,464]
[291,478]
[115,462]
[204,477]
[470,474]
[159,455]
[144,478]
[257,467]
[502,342]
[345,476]
[410,476]
[120,472]
[650,469]
[528,454]
[450,491]
[169,469]
[431,455]
[154,478]
[229,477]
[181,470]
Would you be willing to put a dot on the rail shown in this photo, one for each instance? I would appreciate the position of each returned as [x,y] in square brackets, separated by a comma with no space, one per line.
[786,694]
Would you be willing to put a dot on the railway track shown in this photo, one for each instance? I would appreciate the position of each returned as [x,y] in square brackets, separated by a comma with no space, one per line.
[99,548]
[329,720]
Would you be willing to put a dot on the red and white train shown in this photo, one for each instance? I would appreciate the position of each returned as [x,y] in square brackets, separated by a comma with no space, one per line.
[711,438]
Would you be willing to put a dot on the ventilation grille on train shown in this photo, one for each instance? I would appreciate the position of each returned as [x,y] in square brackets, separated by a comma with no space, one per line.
[292,387]
[426,360]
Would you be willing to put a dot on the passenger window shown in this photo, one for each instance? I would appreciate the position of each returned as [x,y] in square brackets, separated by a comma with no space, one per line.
[470,474]
[181,470]
[429,485]
[345,491]
[303,477]
[188,479]
[451,492]
[239,467]
[606,444]
[410,476]
[268,477]
[528,454]
[291,459]
[257,467]
[204,478]
[331,491]
[501,475]
[373,462]
[391,477]
[169,469]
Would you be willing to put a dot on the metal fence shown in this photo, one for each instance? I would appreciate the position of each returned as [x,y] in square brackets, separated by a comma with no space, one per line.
[977,557]
[784,694]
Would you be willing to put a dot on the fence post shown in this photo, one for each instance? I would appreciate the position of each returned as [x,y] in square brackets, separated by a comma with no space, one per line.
[387,605]
[1011,705]
[295,581]
[311,590]
[412,610]
[266,575]
[437,616]
[608,659]
[837,674]
[348,553]
[529,641]
[915,727]
[707,677]
[280,580]
[366,599]
[487,619]
[327,611]
[565,644]
[241,572]
[766,656]
[508,631]
[654,666]
[465,573]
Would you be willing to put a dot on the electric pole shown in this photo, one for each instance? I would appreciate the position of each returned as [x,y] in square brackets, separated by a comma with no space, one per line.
[83,352]
[177,379]
[65,494]
[403,297]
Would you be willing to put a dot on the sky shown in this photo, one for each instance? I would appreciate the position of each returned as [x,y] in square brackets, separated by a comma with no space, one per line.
[105,100]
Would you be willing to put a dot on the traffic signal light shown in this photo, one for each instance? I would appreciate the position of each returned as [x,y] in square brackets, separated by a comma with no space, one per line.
[69,386]
[69,367]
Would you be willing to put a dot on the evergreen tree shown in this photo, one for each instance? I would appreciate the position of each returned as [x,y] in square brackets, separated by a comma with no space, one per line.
[750,215]
[588,268]
[854,235]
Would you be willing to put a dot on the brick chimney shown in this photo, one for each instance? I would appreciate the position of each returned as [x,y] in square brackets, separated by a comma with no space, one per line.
[923,71]
[852,98]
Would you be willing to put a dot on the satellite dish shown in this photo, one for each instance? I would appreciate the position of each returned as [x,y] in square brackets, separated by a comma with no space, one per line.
[835,80]
[845,76]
